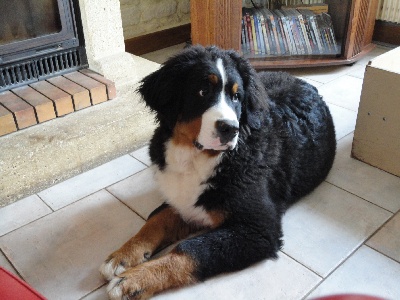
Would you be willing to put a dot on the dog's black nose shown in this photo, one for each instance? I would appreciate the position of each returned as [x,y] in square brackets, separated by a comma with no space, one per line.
[227,130]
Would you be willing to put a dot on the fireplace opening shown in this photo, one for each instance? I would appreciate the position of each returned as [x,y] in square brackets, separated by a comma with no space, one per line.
[38,39]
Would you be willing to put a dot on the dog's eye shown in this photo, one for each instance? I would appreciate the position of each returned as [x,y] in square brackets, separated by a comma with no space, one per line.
[236,97]
[202,93]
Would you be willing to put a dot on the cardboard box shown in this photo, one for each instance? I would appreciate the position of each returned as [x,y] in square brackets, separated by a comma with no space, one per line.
[377,134]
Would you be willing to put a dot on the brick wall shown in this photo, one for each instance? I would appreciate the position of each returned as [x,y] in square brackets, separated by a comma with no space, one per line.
[141,17]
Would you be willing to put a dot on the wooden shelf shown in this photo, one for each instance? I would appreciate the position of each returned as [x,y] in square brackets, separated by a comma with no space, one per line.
[218,22]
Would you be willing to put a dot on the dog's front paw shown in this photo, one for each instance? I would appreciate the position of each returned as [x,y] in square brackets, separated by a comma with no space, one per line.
[124,259]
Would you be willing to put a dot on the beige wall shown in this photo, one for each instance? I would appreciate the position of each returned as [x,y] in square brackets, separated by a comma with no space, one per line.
[141,17]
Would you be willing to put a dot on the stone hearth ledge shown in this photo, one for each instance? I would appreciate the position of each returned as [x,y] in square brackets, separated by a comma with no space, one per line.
[38,157]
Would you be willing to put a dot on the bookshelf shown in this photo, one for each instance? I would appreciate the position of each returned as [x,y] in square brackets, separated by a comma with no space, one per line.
[219,22]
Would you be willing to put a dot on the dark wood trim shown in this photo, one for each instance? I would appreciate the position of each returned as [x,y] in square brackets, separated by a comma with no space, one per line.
[387,32]
[259,64]
[158,40]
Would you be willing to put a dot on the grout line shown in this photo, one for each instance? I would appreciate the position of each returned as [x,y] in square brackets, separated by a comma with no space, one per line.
[137,213]
[139,160]
[387,256]
[334,269]
[45,203]
[12,265]
[351,193]
[41,217]
[302,264]
[96,289]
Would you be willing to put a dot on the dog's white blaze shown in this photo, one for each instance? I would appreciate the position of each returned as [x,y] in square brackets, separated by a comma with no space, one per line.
[221,111]
[183,180]
[221,69]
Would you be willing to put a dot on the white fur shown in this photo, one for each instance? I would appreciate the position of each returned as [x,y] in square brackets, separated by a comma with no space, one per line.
[184,180]
[109,271]
[221,111]
[114,289]
[221,69]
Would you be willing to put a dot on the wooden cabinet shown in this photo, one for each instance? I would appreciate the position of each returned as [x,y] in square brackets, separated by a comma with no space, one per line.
[218,22]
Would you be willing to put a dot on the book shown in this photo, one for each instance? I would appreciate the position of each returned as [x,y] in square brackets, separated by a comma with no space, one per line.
[304,32]
[253,33]
[312,18]
[310,33]
[249,33]
[264,34]
[259,33]
[328,21]
[280,33]
[270,34]
[274,32]
[288,33]
[243,36]
[294,31]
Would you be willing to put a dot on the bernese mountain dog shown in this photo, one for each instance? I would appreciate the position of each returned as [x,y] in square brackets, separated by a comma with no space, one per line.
[232,151]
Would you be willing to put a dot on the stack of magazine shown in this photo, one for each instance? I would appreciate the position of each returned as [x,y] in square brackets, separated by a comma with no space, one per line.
[288,31]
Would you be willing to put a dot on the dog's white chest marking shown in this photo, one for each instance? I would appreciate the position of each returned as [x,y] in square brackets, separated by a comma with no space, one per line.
[184,180]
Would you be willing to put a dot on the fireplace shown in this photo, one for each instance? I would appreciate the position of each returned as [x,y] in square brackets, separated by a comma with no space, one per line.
[38,39]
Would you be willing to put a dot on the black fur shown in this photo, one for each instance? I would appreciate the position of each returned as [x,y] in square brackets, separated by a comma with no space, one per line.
[286,148]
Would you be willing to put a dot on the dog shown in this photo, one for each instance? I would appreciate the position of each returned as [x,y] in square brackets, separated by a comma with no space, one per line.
[232,151]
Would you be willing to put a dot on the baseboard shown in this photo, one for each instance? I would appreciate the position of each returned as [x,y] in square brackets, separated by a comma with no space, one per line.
[158,40]
[387,32]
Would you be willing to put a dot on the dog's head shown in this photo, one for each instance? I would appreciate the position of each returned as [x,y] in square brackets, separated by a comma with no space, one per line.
[204,95]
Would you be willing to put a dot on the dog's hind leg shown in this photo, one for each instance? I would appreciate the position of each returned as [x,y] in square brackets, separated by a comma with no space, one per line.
[163,227]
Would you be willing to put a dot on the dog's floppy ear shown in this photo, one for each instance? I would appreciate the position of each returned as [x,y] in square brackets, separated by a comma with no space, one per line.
[162,90]
[256,98]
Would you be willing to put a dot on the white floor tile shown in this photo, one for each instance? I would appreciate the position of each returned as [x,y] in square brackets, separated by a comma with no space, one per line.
[379,50]
[343,119]
[312,82]
[322,74]
[363,180]
[142,155]
[139,192]
[266,280]
[358,72]
[387,240]
[21,213]
[365,272]
[91,181]
[344,91]
[59,255]
[321,230]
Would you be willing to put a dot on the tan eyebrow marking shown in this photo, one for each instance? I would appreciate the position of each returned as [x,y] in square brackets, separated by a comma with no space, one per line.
[235,88]
[213,78]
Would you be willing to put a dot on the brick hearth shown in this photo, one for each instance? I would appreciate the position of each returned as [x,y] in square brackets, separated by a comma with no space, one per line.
[55,97]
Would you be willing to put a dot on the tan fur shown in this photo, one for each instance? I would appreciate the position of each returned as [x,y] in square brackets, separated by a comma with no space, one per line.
[218,217]
[235,88]
[171,271]
[161,230]
[185,133]
[213,79]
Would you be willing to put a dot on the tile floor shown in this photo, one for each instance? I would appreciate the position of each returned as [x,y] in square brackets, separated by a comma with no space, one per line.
[342,238]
